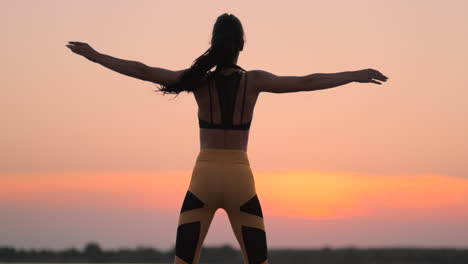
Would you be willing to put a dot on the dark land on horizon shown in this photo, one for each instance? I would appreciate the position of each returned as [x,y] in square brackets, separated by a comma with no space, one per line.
[92,252]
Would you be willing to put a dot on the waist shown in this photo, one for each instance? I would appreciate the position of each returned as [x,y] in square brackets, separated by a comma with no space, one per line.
[223,155]
[204,124]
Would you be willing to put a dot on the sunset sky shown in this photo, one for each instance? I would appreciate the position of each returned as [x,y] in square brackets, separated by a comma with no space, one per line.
[90,154]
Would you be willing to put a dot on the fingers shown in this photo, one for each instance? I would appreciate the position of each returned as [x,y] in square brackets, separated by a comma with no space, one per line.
[380,78]
[76,42]
[374,74]
[379,75]
[78,47]
[75,48]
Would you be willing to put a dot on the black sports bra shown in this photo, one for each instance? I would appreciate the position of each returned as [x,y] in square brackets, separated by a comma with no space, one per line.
[227,88]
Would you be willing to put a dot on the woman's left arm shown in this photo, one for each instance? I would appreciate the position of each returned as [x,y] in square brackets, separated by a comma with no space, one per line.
[130,68]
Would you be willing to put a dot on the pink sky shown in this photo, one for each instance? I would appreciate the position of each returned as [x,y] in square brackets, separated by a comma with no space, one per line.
[387,163]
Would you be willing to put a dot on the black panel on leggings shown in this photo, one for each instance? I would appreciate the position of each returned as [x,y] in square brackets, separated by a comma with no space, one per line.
[255,244]
[191,202]
[252,206]
[187,239]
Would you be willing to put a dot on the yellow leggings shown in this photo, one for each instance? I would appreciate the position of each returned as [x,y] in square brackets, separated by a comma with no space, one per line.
[221,178]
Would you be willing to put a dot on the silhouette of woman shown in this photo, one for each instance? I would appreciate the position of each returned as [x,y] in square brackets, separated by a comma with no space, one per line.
[226,97]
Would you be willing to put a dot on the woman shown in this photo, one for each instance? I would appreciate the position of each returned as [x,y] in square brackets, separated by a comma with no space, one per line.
[226,98]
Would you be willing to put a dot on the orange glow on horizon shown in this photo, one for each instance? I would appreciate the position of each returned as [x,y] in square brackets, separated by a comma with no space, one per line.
[308,194]
[340,195]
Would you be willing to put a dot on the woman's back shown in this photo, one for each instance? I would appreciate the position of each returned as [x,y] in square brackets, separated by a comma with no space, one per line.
[215,108]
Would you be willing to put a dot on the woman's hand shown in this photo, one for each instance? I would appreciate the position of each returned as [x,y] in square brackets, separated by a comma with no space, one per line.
[83,49]
[367,75]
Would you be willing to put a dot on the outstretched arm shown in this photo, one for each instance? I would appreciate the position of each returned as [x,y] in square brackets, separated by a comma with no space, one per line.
[268,82]
[130,68]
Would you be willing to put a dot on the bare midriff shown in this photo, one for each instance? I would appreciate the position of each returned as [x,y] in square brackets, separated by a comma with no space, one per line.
[225,139]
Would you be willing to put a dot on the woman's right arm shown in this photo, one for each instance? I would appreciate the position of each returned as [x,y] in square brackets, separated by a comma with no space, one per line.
[130,68]
[268,82]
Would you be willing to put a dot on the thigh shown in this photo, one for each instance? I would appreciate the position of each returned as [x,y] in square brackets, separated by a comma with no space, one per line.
[249,228]
[194,221]
[244,210]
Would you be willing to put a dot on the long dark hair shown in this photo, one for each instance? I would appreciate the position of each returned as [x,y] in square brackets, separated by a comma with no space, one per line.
[227,40]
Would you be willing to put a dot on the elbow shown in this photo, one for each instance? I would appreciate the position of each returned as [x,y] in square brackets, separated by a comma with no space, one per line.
[310,82]
[141,67]
[142,71]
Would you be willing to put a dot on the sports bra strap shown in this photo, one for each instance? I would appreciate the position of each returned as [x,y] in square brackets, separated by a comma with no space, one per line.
[211,104]
[227,108]
[243,100]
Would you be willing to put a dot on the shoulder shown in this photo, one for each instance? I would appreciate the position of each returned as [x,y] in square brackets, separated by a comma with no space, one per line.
[258,73]
[264,81]
[258,78]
